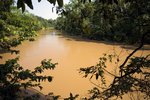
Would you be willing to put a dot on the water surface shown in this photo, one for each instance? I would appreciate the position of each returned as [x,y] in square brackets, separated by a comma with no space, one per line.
[71,54]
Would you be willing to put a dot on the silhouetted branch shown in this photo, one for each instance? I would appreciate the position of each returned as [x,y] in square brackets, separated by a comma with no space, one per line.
[126,60]
[109,72]
[96,85]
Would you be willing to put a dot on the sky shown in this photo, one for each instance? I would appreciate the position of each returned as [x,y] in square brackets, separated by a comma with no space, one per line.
[44,9]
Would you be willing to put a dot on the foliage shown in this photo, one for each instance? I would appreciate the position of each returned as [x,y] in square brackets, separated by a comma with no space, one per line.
[51,96]
[136,77]
[14,76]
[74,18]
[113,20]
[16,27]
[72,97]
[5,5]
[21,3]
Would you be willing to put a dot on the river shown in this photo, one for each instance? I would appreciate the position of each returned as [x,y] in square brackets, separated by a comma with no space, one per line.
[71,54]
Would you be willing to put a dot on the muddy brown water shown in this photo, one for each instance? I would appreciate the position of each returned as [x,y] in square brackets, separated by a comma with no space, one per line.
[71,54]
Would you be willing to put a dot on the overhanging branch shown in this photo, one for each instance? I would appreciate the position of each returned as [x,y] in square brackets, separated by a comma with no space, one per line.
[126,60]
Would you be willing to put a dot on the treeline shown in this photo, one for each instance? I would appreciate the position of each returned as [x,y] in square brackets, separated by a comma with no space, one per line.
[118,21]
[16,26]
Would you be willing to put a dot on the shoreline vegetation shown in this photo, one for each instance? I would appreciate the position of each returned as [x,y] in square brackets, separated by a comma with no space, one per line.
[80,38]
[16,27]
[117,23]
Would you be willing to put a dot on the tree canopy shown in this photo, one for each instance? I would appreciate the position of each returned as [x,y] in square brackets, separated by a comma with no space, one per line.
[112,20]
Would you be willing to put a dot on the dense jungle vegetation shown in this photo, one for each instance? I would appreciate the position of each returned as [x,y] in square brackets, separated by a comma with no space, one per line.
[112,20]
[16,26]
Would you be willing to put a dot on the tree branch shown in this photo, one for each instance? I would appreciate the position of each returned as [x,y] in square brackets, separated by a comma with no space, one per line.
[110,73]
[140,46]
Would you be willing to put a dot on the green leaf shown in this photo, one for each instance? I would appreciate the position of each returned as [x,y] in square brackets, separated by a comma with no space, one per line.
[40,87]
[49,78]
[100,72]
[60,3]
[54,2]
[29,3]
[1,57]
[20,4]
[115,1]
[51,1]
[97,75]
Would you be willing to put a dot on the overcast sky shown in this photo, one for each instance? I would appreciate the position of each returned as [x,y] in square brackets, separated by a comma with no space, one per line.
[43,9]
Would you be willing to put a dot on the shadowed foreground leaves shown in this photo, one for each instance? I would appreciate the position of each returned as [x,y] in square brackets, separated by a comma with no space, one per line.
[14,76]
[135,78]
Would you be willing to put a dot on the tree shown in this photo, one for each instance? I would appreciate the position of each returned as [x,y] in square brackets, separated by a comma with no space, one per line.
[104,20]
[14,77]
[135,14]
[14,24]
[5,5]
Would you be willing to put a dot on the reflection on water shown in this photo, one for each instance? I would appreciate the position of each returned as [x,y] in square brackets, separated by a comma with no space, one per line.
[71,54]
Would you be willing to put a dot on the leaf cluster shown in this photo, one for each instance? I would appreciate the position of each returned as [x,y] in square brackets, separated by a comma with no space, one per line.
[110,20]
[16,27]
[21,3]
[99,69]
[72,97]
[136,77]
[14,77]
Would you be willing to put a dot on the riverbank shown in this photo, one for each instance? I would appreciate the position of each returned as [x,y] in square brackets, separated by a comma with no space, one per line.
[123,45]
